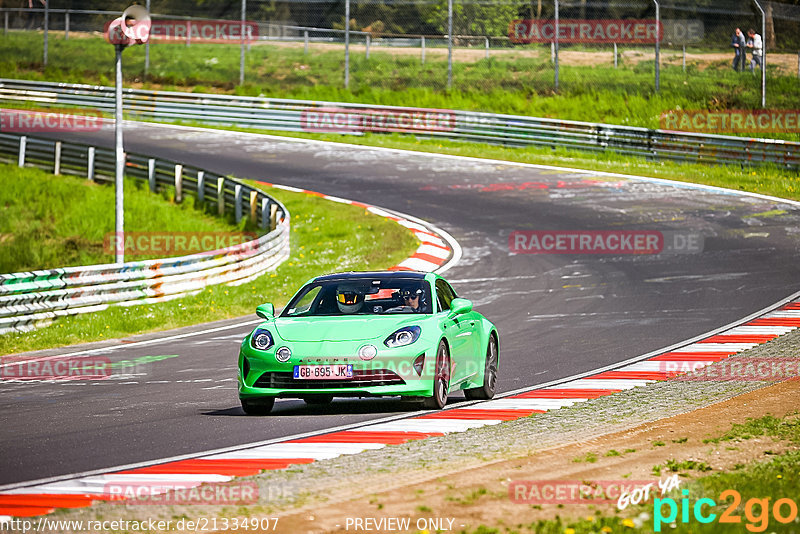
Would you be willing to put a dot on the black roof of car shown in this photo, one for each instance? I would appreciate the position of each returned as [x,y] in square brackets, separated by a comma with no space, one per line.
[367,274]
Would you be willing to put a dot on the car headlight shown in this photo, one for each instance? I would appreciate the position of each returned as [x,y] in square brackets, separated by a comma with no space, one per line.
[405,336]
[261,339]
[283,354]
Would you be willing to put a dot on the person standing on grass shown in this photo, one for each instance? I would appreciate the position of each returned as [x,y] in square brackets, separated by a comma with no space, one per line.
[739,50]
[757,45]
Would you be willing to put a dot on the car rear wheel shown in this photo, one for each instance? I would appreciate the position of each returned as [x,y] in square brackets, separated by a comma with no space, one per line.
[318,399]
[441,380]
[486,391]
[259,406]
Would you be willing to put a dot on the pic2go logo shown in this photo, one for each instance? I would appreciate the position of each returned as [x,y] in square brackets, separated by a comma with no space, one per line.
[756,511]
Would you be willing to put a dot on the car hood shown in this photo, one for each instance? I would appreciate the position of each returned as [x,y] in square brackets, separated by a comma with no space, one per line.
[351,328]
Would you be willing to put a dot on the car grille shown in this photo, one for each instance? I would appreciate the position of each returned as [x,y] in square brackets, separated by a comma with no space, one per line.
[361,379]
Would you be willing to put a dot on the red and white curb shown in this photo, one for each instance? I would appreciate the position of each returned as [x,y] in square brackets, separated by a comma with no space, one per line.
[437,252]
[218,467]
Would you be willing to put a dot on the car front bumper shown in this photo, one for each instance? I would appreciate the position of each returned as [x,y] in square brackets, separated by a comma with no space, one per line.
[390,373]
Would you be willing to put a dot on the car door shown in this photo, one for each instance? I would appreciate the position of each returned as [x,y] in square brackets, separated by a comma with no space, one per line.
[458,332]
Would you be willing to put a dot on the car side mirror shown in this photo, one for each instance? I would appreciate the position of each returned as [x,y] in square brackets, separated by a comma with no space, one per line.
[459,306]
[266,311]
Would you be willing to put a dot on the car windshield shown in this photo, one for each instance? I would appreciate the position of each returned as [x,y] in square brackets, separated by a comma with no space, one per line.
[361,296]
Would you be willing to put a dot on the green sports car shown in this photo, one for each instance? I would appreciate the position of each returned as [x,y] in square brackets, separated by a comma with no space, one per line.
[369,334]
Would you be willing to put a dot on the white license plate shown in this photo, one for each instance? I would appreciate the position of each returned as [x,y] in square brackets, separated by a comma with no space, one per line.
[323,372]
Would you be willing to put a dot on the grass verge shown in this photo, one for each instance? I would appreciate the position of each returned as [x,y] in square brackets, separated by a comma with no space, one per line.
[59,221]
[326,237]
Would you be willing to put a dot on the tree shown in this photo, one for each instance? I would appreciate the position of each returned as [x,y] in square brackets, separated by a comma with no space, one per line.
[474,17]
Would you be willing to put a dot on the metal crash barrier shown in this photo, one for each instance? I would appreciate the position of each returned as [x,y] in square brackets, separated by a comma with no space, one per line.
[357,119]
[32,299]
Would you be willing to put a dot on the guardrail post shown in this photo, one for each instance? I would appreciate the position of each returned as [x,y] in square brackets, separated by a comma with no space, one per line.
[23,142]
[367,44]
[66,25]
[188,32]
[487,47]
[237,203]
[90,164]
[151,174]
[178,183]
[615,55]
[221,196]
[273,216]
[264,213]
[422,45]
[305,42]
[57,162]
[253,205]
[5,22]
[201,186]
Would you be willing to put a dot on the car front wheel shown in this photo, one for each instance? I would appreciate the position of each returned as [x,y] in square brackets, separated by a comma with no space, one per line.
[441,380]
[258,407]
[486,391]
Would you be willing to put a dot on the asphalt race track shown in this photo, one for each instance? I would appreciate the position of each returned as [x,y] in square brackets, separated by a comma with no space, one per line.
[558,314]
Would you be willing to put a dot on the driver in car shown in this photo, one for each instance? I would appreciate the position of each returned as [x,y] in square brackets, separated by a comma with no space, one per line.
[412,301]
[349,299]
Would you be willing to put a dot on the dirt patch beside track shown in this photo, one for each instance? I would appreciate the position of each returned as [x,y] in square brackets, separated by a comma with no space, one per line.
[480,496]
[786,63]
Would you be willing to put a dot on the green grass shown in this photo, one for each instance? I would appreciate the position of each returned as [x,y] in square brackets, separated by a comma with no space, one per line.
[58,221]
[471,498]
[326,237]
[515,85]
[589,457]
[768,425]
[675,466]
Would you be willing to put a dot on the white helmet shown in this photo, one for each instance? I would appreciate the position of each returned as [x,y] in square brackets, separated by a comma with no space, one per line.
[349,300]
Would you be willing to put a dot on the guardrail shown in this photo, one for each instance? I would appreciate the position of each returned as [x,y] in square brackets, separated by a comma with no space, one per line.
[32,299]
[335,117]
